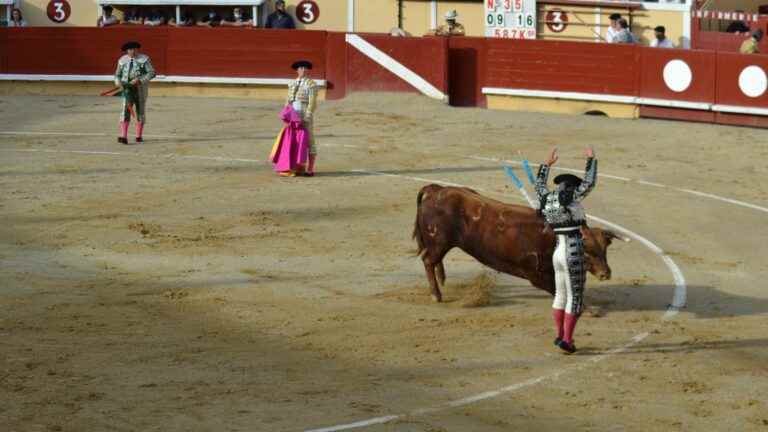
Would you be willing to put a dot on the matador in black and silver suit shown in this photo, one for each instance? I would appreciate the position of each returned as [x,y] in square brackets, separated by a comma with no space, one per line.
[563,212]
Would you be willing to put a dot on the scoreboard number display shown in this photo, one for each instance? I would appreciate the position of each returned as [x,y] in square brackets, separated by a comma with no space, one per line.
[515,19]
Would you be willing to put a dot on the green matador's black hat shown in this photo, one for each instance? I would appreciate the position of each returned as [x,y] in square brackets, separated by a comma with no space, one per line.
[131,45]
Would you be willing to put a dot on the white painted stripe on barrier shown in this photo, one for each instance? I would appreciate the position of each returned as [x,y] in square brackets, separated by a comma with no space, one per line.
[623,99]
[559,95]
[679,295]
[740,109]
[395,67]
[674,103]
[159,78]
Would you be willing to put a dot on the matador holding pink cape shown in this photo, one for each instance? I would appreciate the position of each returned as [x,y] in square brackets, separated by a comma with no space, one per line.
[295,149]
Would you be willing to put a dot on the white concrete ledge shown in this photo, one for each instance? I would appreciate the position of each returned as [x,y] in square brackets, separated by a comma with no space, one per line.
[703,106]
[560,95]
[159,78]
[740,110]
[674,103]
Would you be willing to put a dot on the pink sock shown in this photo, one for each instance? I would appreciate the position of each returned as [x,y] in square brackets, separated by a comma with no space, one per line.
[123,129]
[139,129]
[559,316]
[570,326]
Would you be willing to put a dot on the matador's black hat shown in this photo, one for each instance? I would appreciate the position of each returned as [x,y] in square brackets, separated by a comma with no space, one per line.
[301,63]
[569,179]
[131,45]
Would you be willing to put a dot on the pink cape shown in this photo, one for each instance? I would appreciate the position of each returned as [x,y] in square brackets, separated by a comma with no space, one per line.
[292,145]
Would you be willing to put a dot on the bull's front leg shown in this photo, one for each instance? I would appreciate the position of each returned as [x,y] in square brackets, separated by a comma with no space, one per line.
[429,267]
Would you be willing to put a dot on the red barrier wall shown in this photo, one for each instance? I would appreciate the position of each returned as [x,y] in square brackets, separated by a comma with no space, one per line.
[563,66]
[427,57]
[467,65]
[78,50]
[729,68]
[702,86]
[234,52]
[336,66]
[3,51]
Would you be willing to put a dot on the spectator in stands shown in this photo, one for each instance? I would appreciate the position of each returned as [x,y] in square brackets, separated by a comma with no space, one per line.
[17,20]
[107,19]
[750,46]
[613,28]
[280,19]
[132,16]
[398,32]
[212,19]
[184,21]
[237,19]
[738,26]
[155,18]
[451,27]
[661,40]
[625,35]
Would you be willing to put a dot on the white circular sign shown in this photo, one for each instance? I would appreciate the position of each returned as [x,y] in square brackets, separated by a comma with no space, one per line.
[677,75]
[752,81]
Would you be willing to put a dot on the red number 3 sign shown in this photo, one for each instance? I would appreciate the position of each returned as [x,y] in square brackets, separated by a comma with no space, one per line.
[307,11]
[58,10]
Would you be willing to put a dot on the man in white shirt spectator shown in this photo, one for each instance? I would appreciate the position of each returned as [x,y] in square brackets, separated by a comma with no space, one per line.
[661,40]
[107,19]
[613,29]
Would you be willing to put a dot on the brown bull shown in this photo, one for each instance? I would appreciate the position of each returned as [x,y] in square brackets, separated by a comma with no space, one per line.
[508,238]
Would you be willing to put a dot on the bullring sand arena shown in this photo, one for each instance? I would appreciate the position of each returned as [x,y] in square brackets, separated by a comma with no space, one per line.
[180,285]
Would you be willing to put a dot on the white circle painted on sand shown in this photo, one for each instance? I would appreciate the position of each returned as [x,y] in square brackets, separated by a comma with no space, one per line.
[752,81]
[677,75]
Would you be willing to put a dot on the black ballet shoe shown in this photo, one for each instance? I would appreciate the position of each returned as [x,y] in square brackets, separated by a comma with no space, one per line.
[557,341]
[139,139]
[122,140]
[567,347]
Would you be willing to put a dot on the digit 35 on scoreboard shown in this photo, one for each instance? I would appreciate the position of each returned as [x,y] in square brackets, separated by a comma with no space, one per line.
[510,19]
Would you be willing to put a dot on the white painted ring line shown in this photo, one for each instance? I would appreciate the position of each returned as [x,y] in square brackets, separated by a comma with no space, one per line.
[678,301]
[480,158]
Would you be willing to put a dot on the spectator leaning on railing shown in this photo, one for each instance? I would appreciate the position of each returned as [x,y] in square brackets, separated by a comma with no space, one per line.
[107,19]
[625,35]
[155,18]
[738,26]
[185,20]
[280,19]
[17,20]
[750,46]
[661,41]
[237,19]
[132,16]
[212,19]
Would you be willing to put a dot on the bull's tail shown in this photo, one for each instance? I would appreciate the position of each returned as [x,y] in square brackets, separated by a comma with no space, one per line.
[416,228]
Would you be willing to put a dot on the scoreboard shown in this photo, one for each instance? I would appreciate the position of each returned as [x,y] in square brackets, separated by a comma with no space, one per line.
[514,19]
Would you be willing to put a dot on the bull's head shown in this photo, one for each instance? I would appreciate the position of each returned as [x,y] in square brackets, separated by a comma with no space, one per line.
[596,242]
